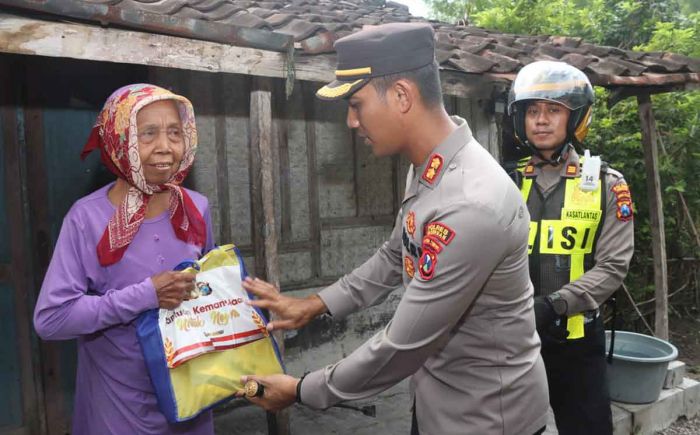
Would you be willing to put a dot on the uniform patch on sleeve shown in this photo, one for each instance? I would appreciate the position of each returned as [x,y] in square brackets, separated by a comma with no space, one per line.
[624,211]
[433,169]
[426,265]
[408,266]
[411,223]
[431,243]
[621,190]
[623,198]
[439,231]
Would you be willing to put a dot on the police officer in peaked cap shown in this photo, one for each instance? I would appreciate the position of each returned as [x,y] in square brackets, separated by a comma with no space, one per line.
[464,330]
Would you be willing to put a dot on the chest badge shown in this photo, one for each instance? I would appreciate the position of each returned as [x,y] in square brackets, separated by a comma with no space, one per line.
[409,267]
[433,169]
[411,223]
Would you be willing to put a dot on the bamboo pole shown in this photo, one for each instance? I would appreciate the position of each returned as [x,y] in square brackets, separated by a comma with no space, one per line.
[658,237]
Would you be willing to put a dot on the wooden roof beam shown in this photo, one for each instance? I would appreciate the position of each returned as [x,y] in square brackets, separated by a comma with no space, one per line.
[29,36]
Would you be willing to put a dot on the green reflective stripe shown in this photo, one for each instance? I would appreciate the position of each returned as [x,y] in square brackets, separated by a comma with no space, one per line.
[525,188]
[574,324]
[577,269]
[531,236]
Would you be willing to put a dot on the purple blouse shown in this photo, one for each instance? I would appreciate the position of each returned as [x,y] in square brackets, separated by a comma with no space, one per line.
[99,306]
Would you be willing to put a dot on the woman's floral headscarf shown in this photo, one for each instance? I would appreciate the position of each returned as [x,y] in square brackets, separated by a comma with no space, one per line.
[116,137]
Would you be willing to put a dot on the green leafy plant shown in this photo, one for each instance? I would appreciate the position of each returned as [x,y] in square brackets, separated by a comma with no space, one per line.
[646,25]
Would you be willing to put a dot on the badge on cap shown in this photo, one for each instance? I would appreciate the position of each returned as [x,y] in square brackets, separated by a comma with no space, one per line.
[378,51]
[433,169]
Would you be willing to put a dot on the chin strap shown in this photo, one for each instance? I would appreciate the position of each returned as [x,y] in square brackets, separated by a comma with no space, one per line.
[557,157]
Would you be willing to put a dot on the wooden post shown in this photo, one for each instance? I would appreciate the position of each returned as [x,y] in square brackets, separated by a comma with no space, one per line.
[17,272]
[656,221]
[263,188]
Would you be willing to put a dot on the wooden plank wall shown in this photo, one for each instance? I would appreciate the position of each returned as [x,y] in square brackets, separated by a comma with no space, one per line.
[20,410]
[335,202]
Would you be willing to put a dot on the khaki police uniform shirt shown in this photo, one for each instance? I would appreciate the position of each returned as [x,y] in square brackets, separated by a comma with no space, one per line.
[614,247]
[464,327]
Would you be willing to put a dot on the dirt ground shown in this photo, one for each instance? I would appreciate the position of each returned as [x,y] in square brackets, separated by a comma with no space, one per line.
[685,335]
[393,407]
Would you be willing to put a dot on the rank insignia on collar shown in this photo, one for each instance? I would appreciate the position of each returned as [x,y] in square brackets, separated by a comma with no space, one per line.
[411,223]
[571,169]
[529,169]
[408,266]
[439,231]
[433,169]
[426,265]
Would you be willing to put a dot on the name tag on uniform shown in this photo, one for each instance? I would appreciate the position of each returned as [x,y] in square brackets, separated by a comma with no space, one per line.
[581,215]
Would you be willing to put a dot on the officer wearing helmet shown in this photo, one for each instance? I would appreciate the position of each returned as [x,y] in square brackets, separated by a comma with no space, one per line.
[580,242]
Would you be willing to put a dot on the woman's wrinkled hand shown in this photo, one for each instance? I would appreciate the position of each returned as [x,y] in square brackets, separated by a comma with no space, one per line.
[173,287]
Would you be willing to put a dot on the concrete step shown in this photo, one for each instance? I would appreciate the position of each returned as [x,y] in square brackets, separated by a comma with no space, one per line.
[679,398]
[647,419]
[674,374]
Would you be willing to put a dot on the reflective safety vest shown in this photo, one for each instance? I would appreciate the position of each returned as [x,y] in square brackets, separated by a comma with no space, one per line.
[564,228]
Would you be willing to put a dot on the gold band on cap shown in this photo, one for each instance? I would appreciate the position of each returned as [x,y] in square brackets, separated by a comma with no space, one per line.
[329,92]
[353,72]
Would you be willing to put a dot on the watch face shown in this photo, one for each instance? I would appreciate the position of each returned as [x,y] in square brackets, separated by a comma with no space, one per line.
[558,304]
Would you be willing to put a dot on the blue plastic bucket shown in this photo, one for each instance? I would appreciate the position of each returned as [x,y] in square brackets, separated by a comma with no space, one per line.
[638,367]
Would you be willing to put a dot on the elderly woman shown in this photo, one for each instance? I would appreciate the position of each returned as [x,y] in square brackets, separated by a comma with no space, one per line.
[114,256]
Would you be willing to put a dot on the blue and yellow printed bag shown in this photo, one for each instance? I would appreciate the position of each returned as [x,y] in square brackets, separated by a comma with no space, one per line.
[197,353]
